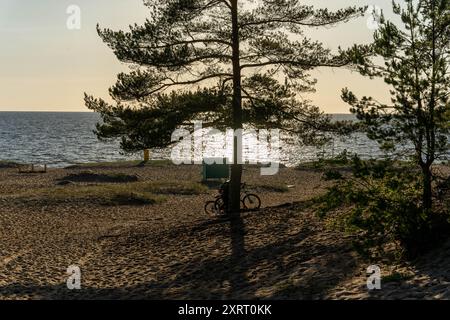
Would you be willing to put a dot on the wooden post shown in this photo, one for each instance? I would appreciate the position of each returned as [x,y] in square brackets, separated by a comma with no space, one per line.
[146,155]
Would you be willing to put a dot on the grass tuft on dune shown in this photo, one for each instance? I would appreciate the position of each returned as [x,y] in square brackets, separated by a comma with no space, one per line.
[122,164]
[89,176]
[137,193]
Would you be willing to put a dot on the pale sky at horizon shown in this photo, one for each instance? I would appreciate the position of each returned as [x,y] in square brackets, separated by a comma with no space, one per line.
[46,67]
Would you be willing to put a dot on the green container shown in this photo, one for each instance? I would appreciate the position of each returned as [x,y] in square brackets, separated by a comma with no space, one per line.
[216,171]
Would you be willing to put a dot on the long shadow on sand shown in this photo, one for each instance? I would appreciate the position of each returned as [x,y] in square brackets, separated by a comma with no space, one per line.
[433,271]
[296,265]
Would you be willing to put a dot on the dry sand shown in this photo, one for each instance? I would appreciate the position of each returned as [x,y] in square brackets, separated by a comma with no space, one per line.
[173,250]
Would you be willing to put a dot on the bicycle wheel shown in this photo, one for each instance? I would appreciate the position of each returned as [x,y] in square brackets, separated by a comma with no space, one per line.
[252,202]
[210,208]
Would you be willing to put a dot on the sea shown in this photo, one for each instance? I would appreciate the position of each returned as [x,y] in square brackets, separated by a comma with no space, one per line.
[60,139]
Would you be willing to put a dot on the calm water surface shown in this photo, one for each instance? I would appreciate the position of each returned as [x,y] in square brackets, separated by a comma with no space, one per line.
[62,139]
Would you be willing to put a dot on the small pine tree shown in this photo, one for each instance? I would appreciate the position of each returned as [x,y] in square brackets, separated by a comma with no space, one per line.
[417,66]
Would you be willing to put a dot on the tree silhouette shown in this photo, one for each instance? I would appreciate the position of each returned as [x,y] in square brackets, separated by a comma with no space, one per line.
[417,67]
[236,52]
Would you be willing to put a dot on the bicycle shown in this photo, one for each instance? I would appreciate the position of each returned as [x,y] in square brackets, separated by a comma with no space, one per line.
[249,201]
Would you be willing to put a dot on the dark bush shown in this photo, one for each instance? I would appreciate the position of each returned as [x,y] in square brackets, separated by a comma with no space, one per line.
[380,202]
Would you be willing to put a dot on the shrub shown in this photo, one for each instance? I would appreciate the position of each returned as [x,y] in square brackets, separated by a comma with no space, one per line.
[380,202]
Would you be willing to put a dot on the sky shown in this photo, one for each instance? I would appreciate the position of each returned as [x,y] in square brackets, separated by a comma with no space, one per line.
[45,66]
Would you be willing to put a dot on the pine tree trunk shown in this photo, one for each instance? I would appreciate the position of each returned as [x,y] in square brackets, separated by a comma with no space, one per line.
[236,169]
[427,188]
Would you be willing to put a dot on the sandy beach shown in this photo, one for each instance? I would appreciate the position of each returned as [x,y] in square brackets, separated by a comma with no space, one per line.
[171,249]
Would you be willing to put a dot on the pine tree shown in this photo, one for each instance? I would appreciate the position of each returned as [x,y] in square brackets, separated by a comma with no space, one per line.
[417,66]
[232,50]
